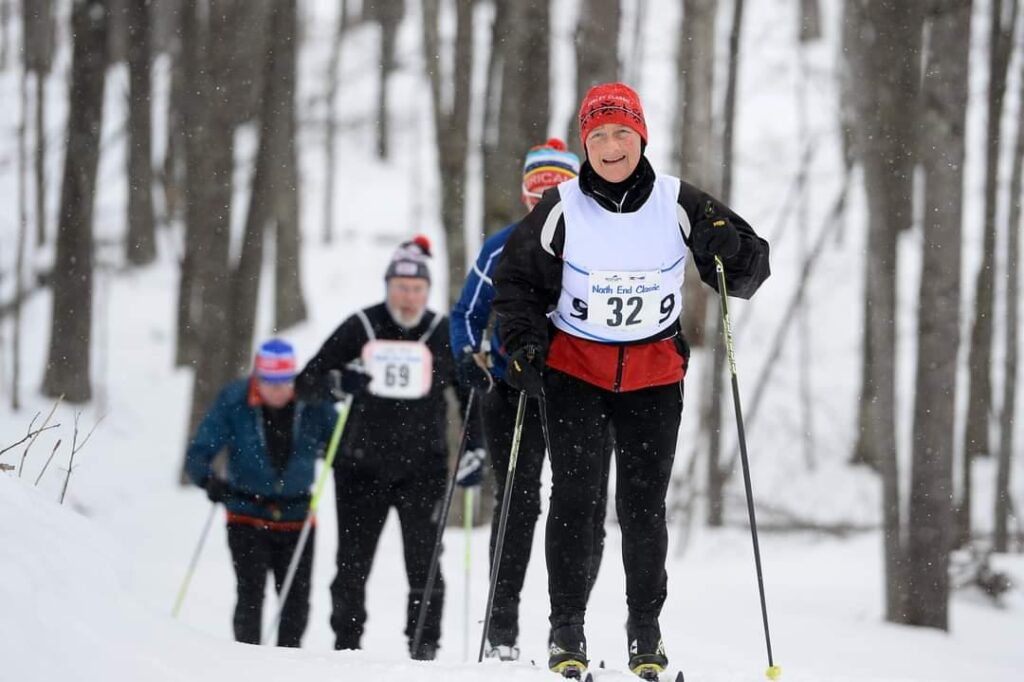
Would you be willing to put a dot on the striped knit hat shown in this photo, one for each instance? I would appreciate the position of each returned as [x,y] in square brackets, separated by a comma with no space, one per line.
[275,362]
[545,166]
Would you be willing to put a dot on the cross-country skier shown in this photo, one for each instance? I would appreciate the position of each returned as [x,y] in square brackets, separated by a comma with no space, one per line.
[483,368]
[272,444]
[394,451]
[604,254]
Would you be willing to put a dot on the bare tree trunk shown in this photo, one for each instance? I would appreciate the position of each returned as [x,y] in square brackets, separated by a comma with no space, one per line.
[333,78]
[19,260]
[267,185]
[5,32]
[524,109]
[172,172]
[695,137]
[195,131]
[39,41]
[40,158]
[810,21]
[289,303]
[597,54]
[67,367]
[451,130]
[388,14]
[887,66]
[979,378]
[944,117]
[713,420]
[141,240]
[209,197]
[1000,540]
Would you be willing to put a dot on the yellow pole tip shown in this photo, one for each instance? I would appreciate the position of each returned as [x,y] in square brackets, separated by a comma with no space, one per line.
[773,672]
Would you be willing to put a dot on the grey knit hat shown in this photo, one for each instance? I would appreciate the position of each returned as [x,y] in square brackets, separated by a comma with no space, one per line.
[410,259]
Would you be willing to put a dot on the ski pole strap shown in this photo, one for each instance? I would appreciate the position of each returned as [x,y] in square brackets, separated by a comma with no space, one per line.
[332,450]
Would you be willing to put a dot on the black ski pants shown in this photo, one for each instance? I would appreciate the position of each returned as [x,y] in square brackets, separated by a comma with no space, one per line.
[499,415]
[254,552]
[363,500]
[646,425]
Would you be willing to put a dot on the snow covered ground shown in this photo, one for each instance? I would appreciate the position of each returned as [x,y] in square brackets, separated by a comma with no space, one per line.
[86,589]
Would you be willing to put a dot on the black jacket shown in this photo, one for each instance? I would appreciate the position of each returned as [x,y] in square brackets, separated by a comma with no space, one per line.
[389,437]
[528,279]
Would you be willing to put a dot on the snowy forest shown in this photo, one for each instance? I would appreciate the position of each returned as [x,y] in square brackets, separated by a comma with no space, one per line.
[183,179]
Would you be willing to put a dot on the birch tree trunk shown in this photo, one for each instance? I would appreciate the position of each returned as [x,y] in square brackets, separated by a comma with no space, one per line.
[1003,509]
[1002,29]
[944,115]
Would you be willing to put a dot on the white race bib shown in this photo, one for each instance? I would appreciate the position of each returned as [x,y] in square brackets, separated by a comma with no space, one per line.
[627,300]
[401,370]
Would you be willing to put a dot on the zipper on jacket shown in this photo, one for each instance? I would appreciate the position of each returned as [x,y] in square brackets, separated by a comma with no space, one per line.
[617,204]
[618,369]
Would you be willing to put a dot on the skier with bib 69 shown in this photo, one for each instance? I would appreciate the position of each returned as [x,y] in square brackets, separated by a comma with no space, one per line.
[394,359]
[601,259]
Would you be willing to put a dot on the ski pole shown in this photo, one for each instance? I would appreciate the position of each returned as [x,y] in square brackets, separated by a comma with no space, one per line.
[467,525]
[773,671]
[195,560]
[428,589]
[314,503]
[506,499]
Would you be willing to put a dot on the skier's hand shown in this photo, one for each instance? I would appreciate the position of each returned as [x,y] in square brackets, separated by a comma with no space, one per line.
[472,371]
[471,469]
[347,382]
[525,371]
[714,236]
[217,489]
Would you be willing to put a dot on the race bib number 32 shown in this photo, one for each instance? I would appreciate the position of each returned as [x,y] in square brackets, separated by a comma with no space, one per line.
[626,300]
[400,369]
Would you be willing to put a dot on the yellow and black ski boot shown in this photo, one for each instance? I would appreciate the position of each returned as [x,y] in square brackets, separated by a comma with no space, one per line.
[647,657]
[567,652]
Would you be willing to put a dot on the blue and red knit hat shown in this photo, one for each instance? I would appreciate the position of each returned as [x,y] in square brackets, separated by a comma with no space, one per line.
[275,362]
[545,166]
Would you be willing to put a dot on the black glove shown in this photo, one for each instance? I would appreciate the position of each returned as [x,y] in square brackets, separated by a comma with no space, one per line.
[217,489]
[713,236]
[525,371]
[348,381]
[470,374]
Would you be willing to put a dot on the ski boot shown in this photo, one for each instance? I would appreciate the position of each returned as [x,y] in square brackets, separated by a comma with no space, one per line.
[426,652]
[502,652]
[647,657]
[567,651]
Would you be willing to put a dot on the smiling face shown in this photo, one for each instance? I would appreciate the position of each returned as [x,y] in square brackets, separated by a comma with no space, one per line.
[614,151]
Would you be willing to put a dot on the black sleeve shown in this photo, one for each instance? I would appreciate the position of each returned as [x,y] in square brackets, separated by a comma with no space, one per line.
[444,361]
[528,278]
[744,272]
[342,347]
